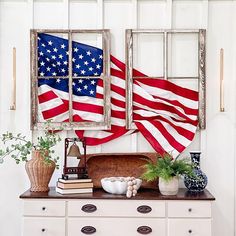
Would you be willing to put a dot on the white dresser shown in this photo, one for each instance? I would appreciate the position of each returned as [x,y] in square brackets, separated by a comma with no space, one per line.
[102,214]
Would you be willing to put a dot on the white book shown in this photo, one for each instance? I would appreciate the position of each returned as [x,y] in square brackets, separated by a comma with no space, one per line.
[73,191]
[67,181]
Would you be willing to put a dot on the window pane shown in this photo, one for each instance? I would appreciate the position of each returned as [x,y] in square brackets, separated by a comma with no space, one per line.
[53,100]
[87,54]
[66,90]
[183,55]
[88,102]
[53,54]
[148,54]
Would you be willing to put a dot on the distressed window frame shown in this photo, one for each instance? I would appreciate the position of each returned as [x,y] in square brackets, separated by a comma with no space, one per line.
[105,76]
[201,69]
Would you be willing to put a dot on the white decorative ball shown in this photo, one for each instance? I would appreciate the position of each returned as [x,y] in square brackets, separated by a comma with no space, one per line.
[129,194]
[130,188]
[135,187]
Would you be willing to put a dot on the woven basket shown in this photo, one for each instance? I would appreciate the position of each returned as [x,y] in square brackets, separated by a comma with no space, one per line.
[39,172]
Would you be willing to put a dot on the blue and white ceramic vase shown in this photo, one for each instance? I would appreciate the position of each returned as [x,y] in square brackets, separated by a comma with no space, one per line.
[196,184]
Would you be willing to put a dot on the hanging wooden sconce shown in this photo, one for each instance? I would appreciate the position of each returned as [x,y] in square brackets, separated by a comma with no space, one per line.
[13,98]
[222,108]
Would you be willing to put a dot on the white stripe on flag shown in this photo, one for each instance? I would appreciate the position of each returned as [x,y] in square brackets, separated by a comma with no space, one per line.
[178,137]
[148,114]
[168,95]
[140,91]
[158,136]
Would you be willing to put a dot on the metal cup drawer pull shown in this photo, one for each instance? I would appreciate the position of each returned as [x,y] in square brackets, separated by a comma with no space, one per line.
[144,209]
[88,230]
[89,208]
[144,230]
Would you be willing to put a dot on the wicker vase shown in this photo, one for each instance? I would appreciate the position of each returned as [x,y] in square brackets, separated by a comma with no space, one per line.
[39,172]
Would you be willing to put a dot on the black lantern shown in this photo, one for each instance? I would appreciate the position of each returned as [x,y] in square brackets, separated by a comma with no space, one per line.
[74,152]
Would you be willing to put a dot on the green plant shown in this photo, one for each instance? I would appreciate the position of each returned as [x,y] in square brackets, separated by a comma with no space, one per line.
[20,148]
[166,168]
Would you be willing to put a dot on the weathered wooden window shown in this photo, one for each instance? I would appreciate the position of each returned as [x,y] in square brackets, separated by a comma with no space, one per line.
[175,55]
[70,79]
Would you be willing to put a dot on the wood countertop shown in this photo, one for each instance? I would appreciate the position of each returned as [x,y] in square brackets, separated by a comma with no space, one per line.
[143,194]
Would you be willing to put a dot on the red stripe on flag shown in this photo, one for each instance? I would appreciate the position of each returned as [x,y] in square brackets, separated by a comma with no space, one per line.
[55,111]
[187,110]
[100,96]
[117,73]
[87,107]
[47,96]
[155,144]
[118,114]
[118,90]
[118,103]
[93,141]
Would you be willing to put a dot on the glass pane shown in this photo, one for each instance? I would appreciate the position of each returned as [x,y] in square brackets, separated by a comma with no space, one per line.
[186,83]
[53,54]
[53,100]
[148,54]
[88,100]
[183,55]
[87,54]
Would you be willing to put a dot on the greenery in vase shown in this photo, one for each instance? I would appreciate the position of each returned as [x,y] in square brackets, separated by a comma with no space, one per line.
[166,168]
[19,148]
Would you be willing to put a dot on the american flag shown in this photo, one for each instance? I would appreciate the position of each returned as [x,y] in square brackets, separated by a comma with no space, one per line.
[165,113]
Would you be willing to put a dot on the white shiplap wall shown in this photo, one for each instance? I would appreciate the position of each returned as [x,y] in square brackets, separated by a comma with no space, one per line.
[217,142]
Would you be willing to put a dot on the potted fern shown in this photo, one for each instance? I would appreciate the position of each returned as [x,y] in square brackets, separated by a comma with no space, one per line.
[168,170]
[42,164]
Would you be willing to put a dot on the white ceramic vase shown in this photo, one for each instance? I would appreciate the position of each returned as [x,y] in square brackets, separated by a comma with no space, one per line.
[170,187]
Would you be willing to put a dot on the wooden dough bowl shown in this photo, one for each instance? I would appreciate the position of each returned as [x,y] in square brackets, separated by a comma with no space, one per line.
[118,164]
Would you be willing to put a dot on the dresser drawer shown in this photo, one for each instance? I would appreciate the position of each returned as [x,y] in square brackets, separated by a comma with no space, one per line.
[189,209]
[40,226]
[44,208]
[188,227]
[116,227]
[117,208]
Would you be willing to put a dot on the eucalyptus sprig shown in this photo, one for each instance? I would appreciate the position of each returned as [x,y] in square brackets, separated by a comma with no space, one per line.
[166,167]
[18,151]
[20,148]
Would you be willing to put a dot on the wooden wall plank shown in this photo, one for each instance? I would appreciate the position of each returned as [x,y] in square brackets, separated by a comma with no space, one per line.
[15,24]
[169,14]
[85,14]
[49,14]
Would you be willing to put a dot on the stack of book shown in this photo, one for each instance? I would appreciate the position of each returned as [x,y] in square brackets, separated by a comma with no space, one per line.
[72,186]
